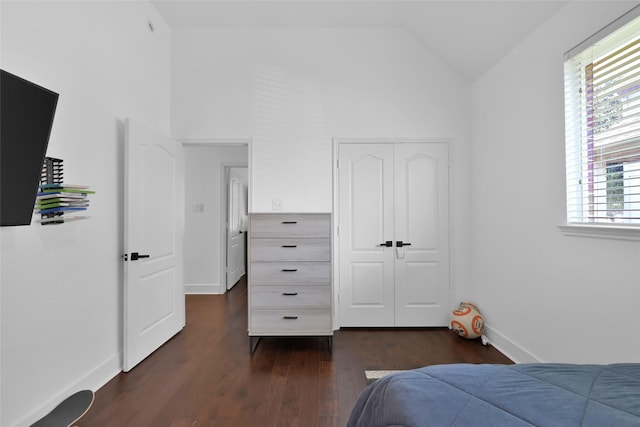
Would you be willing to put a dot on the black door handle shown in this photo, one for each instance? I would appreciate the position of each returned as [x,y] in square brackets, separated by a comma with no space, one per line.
[136,256]
[400,243]
[386,244]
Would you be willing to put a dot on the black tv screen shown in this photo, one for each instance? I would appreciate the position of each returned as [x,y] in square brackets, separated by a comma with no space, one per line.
[26,117]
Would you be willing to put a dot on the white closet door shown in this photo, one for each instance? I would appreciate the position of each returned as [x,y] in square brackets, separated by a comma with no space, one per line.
[366,221]
[399,193]
[421,219]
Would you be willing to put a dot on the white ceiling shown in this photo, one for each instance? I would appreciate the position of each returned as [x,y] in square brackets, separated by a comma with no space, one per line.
[469,35]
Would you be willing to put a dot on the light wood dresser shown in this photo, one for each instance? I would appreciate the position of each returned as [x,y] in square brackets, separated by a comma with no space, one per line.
[289,286]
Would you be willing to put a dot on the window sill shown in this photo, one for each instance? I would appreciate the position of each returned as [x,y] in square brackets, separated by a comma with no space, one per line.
[601,231]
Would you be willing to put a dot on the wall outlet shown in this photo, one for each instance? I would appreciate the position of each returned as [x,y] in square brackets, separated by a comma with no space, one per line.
[276,204]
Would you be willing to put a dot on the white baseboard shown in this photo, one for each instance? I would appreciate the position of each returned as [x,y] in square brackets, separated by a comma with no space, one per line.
[93,380]
[204,288]
[509,347]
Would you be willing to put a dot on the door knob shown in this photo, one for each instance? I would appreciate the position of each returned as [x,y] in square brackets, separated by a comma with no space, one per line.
[387,244]
[400,243]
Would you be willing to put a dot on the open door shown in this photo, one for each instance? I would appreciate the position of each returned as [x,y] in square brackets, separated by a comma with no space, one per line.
[154,304]
[236,212]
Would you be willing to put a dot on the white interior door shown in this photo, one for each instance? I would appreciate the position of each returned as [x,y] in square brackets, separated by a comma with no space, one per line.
[235,237]
[154,306]
[366,222]
[421,218]
[391,193]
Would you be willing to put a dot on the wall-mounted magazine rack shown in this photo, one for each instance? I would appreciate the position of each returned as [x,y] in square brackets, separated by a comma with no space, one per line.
[56,201]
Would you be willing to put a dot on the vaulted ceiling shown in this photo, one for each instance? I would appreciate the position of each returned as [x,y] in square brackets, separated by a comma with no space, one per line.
[468,35]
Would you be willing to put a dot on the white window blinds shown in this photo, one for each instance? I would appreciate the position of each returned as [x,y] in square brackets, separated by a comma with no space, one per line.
[602,114]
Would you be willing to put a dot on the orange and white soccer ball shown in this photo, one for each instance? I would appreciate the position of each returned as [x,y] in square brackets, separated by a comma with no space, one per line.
[467,321]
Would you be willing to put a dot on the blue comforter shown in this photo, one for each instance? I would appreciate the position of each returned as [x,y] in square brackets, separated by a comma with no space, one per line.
[503,395]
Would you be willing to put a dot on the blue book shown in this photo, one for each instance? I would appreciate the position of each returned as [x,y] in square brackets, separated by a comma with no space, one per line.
[60,209]
[77,187]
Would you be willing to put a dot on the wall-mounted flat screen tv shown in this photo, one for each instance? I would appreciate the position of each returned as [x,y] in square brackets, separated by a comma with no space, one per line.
[26,118]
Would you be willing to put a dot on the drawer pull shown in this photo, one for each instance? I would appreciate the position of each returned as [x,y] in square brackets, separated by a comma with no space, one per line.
[289,246]
[289,222]
[290,317]
[290,270]
[290,294]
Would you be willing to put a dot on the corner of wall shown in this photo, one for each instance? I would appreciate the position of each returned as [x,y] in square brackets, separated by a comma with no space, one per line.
[509,347]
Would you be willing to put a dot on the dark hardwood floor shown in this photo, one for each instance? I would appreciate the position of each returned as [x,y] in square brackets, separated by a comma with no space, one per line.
[205,376]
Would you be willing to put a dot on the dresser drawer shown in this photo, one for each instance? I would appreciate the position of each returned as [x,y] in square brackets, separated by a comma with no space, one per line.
[290,250]
[290,225]
[290,322]
[291,297]
[290,273]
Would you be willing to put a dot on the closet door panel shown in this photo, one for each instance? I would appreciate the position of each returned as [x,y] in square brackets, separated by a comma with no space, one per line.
[366,221]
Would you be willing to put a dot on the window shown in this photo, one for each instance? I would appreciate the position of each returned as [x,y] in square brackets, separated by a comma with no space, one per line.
[602,122]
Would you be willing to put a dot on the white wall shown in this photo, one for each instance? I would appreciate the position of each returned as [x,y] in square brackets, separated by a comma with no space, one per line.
[546,296]
[204,238]
[61,285]
[292,91]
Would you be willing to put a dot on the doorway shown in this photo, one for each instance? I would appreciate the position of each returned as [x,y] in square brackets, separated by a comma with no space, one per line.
[206,192]
[393,216]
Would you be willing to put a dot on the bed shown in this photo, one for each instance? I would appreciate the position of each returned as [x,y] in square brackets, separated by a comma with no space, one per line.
[503,395]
